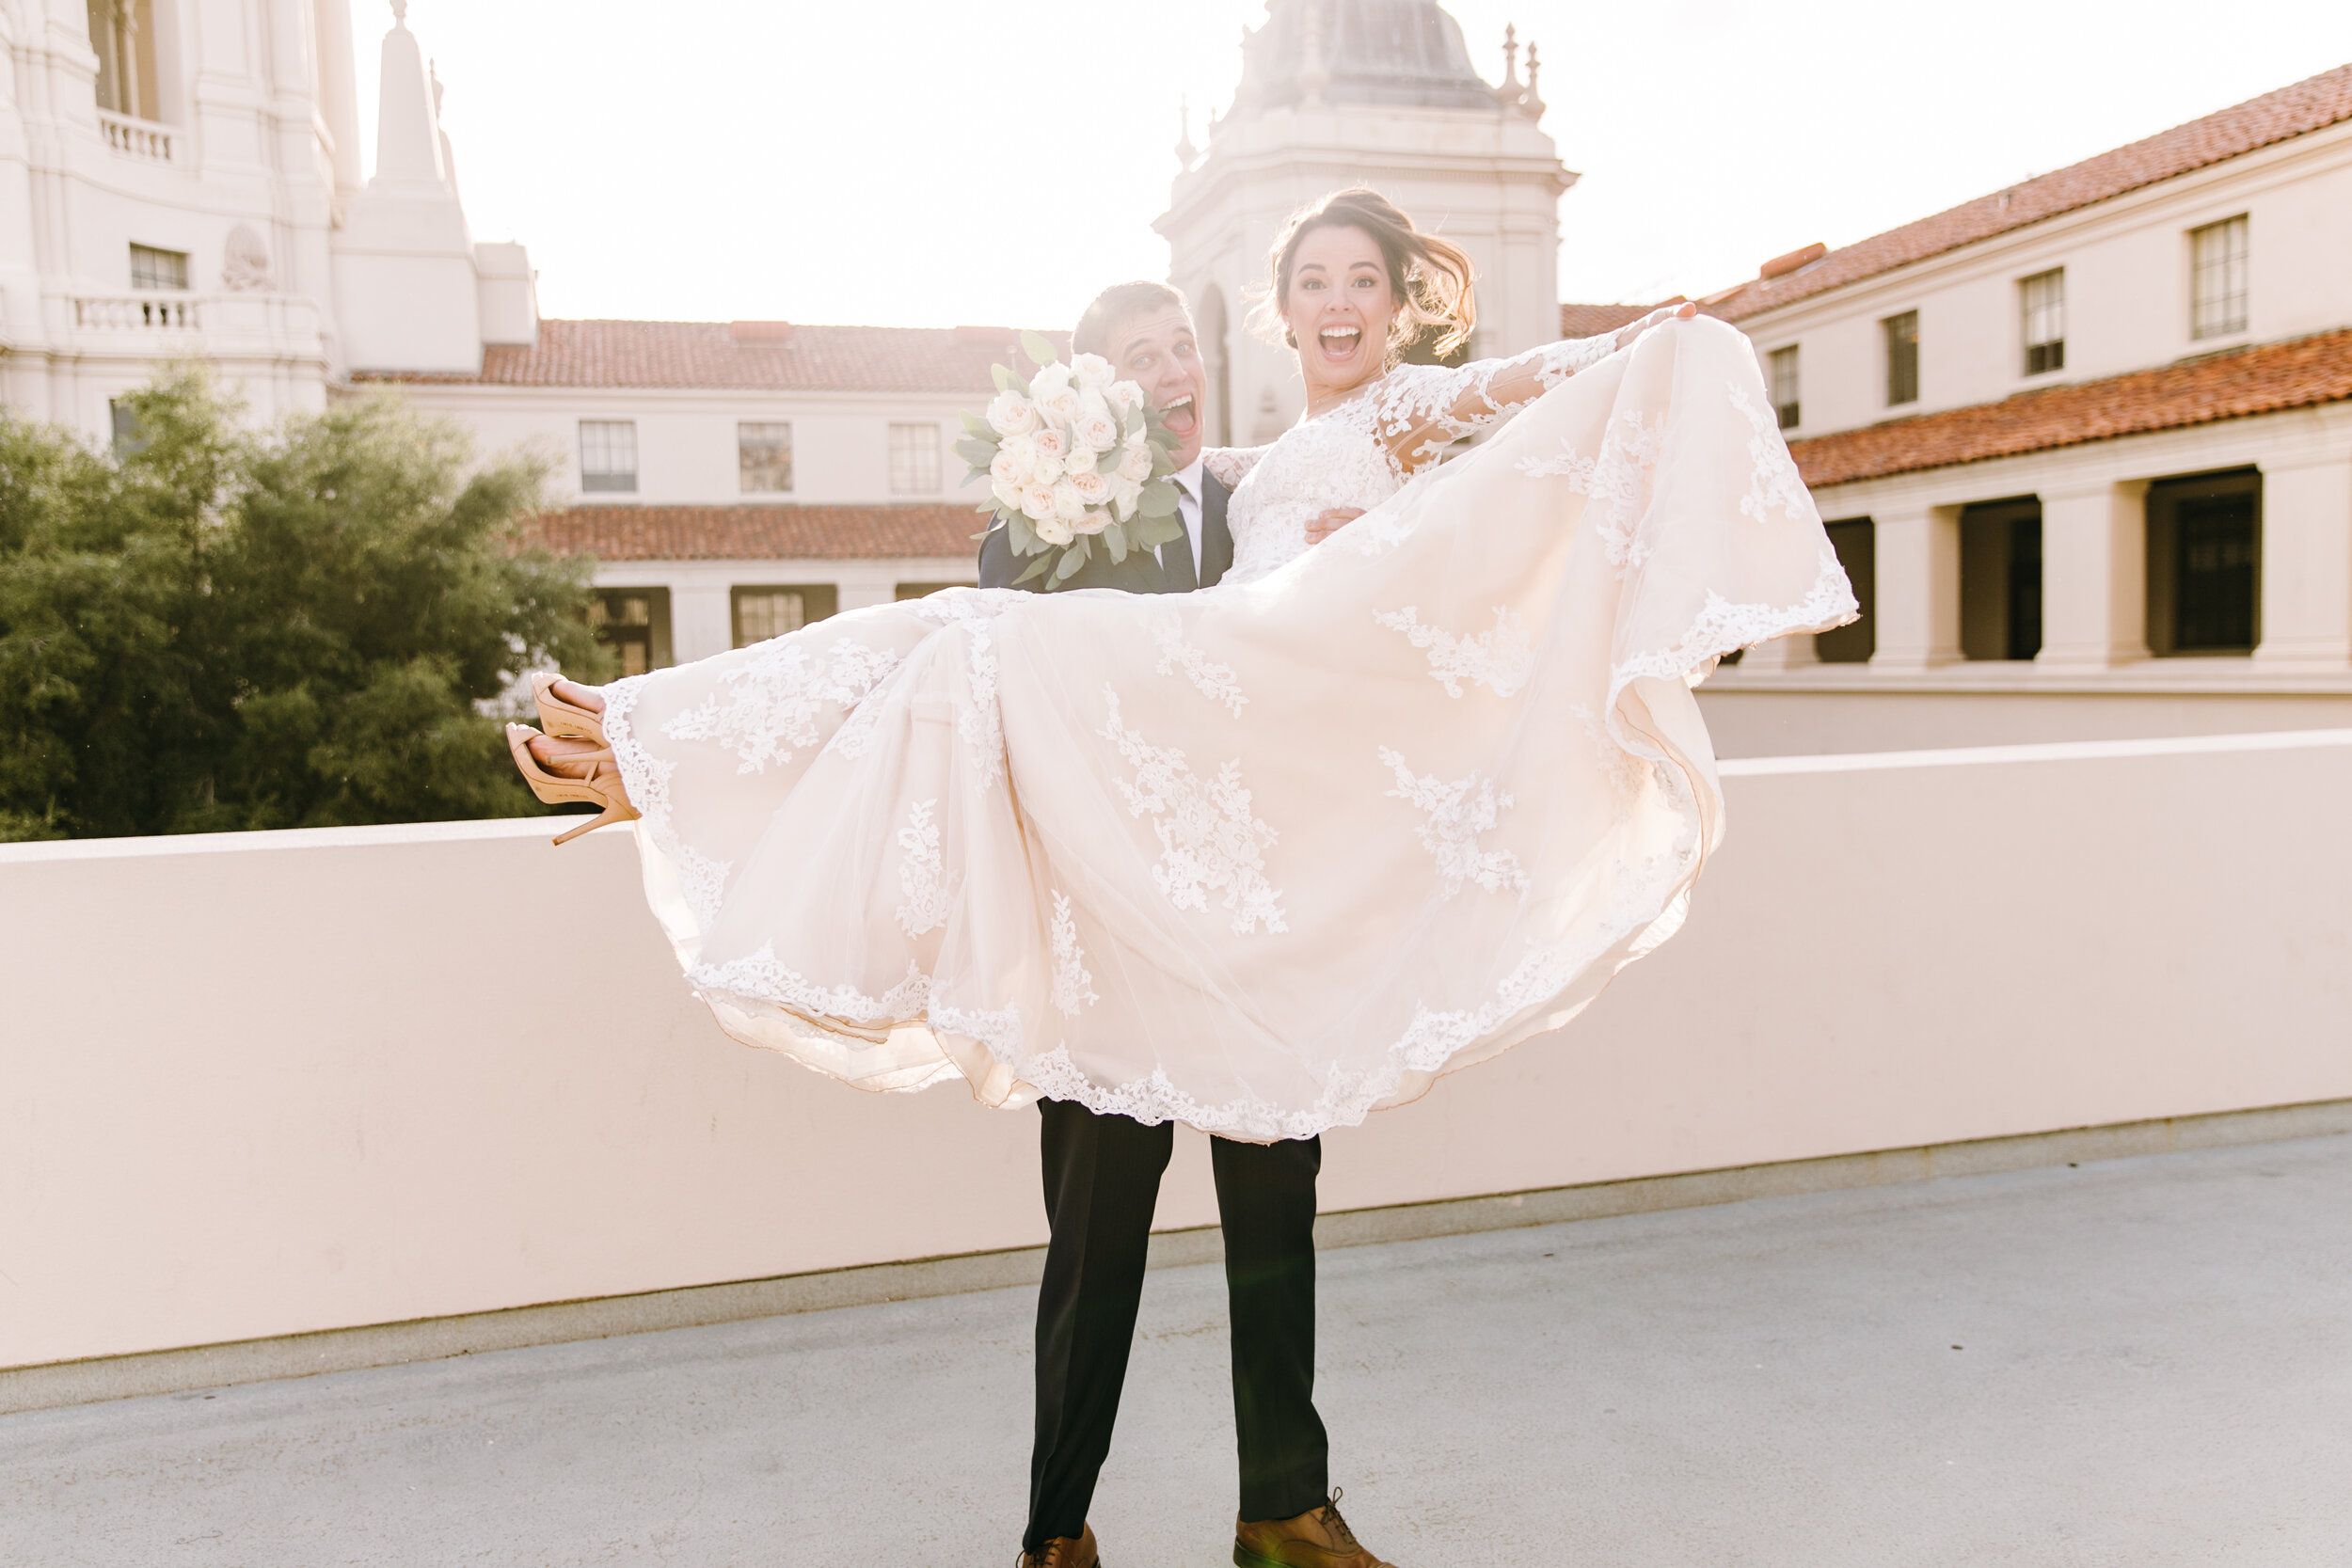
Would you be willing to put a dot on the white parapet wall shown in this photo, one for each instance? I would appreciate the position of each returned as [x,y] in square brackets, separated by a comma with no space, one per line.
[265,1084]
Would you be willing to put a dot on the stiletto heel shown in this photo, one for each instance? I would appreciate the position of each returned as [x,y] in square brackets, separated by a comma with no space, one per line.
[560,717]
[601,788]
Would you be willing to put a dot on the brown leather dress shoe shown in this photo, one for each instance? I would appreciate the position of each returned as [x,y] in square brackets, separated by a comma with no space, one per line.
[1318,1537]
[1062,1552]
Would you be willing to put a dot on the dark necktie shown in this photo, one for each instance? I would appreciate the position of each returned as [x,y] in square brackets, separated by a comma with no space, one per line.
[1176,555]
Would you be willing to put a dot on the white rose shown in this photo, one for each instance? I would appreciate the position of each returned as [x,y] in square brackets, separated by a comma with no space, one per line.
[1093,490]
[1080,460]
[1053,531]
[1011,413]
[1134,463]
[1095,521]
[1051,445]
[1008,469]
[1037,502]
[1098,428]
[1125,397]
[1068,504]
[1125,492]
[1052,391]
[1090,370]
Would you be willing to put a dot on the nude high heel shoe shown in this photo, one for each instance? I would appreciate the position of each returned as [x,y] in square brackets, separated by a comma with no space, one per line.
[560,717]
[603,786]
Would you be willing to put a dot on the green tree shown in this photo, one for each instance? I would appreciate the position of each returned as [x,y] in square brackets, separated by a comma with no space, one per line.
[222,627]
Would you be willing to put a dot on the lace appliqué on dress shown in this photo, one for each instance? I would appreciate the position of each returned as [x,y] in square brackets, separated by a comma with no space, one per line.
[1213,681]
[1209,841]
[1456,812]
[1074,988]
[774,700]
[1498,658]
[1618,479]
[1775,485]
[921,877]
[763,977]
[979,722]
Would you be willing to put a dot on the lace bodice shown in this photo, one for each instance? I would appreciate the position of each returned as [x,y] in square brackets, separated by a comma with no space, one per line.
[1361,453]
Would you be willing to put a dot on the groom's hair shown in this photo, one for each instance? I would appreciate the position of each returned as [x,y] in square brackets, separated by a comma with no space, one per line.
[1113,306]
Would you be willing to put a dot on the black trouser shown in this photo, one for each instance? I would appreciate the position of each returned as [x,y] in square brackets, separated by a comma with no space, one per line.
[1102,1179]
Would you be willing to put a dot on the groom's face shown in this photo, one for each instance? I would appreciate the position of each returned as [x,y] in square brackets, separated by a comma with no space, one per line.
[1155,350]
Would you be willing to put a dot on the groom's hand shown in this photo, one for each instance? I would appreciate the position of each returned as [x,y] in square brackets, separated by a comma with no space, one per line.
[1321,528]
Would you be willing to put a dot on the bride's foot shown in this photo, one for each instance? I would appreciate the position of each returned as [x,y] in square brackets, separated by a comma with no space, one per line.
[567,707]
[562,768]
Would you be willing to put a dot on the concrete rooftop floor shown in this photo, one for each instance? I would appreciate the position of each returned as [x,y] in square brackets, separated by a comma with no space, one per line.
[2136,1362]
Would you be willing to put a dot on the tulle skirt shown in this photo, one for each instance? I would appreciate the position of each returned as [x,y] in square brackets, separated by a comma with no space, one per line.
[1266,857]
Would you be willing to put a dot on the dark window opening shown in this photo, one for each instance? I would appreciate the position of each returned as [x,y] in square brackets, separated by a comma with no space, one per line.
[762,612]
[925,590]
[2001,580]
[1855,541]
[1902,358]
[2204,563]
[634,623]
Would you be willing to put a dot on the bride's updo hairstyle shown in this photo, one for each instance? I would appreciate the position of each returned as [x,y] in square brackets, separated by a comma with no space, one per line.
[1430,278]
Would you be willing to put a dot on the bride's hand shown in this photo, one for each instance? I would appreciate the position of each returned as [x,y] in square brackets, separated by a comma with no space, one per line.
[1321,528]
[1680,310]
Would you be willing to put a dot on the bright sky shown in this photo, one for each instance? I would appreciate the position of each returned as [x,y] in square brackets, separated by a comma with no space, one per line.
[921,163]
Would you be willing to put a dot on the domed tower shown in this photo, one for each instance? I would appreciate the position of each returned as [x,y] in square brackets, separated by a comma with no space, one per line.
[1362,92]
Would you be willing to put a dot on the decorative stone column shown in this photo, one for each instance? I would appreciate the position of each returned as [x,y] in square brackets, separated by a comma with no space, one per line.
[2306,563]
[2094,576]
[1917,564]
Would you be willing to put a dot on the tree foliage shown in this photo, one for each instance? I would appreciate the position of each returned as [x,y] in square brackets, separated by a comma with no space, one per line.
[221,627]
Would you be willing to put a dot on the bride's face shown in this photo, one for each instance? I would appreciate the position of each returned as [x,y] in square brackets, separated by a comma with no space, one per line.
[1338,304]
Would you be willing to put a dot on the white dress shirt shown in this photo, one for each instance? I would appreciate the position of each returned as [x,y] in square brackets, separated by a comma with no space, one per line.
[1188,505]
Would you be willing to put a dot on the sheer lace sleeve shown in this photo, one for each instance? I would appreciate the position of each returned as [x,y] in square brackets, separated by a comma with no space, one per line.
[1418,410]
[1231,464]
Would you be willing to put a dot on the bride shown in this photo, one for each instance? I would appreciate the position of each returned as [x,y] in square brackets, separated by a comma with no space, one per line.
[1270,856]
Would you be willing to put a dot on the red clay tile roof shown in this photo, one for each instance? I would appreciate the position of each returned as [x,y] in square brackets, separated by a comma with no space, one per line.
[1591,321]
[2309,105]
[713,355]
[762,532]
[2260,380]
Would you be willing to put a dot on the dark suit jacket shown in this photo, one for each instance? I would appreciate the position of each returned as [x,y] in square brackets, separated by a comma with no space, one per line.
[1140,572]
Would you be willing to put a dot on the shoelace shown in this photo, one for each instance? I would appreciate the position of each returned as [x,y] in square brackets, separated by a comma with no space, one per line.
[1341,1534]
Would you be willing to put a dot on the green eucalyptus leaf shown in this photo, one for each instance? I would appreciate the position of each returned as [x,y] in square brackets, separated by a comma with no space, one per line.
[1115,540]
[975,451]
[974,425]
[1157,501]
[1036,568]
[1037,348]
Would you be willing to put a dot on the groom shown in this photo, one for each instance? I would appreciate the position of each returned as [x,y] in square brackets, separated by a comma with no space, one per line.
[1102,1172]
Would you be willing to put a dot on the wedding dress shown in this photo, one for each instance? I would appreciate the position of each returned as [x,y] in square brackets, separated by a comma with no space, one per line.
[1270,856]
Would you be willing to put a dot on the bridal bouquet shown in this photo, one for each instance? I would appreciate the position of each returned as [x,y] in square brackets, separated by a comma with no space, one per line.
[1074,459]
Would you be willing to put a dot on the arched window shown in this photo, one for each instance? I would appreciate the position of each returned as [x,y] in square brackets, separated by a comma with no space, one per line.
[1212,324]
[123,33]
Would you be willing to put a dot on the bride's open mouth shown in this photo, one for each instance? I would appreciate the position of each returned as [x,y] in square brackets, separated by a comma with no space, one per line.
[1340,342]
[1182,416]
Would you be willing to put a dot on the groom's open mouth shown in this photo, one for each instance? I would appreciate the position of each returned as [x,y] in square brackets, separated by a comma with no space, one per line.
[1341,343]
[1181,416]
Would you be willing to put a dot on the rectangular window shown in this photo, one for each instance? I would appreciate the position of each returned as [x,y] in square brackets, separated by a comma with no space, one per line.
[1855,540]
[158,270]
[608,454]
[2000,578]
[763,612]
[634,623]
[2217,266]
[1784,386]
[2204,563]
[2042,297]
[1902,358]
[763,456]
[914,460]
